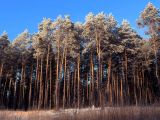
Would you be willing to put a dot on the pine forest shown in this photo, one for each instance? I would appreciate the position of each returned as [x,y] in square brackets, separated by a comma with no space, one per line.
[67,64]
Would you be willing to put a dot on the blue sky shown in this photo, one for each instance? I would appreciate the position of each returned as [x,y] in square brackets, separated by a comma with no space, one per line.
[18,15]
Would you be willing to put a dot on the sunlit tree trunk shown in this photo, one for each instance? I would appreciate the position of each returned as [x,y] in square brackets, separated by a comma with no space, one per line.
[1,71]
[135,92]
[69,89]
[40,103]
[74,81]
[36,87]
[15,93]
[78,75]
[47,78]
[57,78]
[109,79]
[30,88]
[92,81]
[117,89]
[9,90]
[87,89]
[126,76]
[51,85]
[64,85]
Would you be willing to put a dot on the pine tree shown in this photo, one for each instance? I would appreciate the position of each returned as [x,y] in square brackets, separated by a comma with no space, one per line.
[150,17]
[4,44]
[129,40]
[22,46]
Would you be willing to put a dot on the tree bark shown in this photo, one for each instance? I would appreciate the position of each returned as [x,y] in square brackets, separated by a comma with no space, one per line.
[78,75]
[64,85]
[57,78]
[30,87]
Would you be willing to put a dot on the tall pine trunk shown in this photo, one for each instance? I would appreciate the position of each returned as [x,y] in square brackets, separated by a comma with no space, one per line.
[57,79]
[51,85]
[30,87]
[92,81]
[47,77]
[64,85]
[78,75]
[40,103]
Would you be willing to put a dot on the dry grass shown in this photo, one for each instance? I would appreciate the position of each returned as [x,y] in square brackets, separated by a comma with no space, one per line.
[109,113]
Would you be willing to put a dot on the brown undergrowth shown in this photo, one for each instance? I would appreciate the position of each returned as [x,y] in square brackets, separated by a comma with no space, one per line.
[109,113]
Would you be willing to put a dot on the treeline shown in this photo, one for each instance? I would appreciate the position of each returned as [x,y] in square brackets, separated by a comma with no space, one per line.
[78,65]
